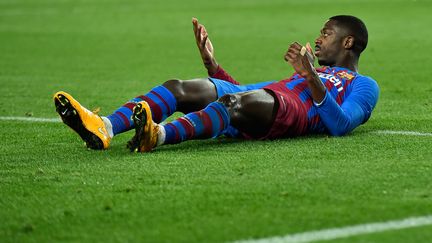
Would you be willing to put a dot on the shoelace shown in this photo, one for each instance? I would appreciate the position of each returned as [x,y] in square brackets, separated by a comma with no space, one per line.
[96,110]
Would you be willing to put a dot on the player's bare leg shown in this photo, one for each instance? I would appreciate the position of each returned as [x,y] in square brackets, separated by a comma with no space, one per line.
[192,95]
[251,112]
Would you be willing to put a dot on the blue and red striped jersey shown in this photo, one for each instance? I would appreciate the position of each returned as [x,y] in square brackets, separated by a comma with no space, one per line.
[349,101]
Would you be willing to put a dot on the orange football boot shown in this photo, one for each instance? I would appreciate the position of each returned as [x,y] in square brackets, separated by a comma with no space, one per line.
[146,131]
[87,124]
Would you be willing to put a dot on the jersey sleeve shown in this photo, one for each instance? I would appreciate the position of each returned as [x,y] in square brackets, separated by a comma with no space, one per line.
[223,75]
[354,111]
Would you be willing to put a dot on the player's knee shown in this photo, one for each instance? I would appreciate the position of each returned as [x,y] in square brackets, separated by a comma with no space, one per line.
[230,101]
[175,86]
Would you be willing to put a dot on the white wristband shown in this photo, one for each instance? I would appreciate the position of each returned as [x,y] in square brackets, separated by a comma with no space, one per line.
[322,101]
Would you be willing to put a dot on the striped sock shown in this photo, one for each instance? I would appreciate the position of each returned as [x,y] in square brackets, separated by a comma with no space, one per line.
[162,104]
[207,123]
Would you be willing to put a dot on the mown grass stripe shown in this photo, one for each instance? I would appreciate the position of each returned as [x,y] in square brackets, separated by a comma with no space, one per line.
[343,232]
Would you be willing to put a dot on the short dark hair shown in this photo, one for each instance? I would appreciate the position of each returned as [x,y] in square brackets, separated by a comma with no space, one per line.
[356,28]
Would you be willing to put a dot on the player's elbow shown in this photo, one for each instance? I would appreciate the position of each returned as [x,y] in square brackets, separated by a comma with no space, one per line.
[341,127]
[338,132]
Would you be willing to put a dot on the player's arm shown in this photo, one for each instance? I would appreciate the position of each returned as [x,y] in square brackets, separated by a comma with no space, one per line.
[206,50]
[355,110]
[205,47]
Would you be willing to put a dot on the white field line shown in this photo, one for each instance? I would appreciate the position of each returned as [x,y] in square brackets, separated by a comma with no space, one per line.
[335,233]
[35,119]
[28,119]
[407,133]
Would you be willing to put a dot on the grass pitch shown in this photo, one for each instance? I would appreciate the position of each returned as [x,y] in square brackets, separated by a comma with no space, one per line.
[106,52]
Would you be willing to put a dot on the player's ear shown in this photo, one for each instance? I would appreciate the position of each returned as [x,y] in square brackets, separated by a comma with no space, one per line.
[348,42]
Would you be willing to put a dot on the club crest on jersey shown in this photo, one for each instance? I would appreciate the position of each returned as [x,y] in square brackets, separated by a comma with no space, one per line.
[333,79]
[345,75]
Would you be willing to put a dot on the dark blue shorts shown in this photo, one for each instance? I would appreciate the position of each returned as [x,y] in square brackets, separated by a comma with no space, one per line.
[224,87]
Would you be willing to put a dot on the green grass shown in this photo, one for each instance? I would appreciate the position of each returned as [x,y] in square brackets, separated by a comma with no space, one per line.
[106,52]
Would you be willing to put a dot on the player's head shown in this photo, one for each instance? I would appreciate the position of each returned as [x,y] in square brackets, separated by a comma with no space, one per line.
[342,36]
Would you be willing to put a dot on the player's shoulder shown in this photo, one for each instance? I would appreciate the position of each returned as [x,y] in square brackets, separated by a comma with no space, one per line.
[363,83]
[365,80]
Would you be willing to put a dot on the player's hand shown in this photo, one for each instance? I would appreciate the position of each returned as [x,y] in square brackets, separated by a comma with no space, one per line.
[205,46]
[302,64]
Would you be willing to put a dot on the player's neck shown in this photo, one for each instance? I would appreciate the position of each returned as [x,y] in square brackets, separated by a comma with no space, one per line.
[349,62]
[350,66]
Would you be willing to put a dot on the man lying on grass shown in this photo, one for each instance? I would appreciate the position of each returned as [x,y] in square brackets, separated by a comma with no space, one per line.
[332,99]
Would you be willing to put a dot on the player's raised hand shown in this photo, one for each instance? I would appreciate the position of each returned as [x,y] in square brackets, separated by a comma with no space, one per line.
[204,46]
[301,58]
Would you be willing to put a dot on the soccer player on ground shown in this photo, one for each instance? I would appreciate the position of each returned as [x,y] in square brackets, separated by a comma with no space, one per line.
[333,99]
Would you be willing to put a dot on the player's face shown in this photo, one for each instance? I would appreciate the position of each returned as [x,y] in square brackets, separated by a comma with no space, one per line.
[329,45]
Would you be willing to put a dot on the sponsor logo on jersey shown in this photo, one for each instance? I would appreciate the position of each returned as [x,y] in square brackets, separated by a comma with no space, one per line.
[333,79]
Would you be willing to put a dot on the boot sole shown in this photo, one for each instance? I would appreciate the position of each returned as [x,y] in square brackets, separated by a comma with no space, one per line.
[139,116]
[70,117]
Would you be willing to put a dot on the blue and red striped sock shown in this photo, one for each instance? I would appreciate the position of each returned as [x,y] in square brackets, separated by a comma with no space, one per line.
[162,104]
[207,123]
